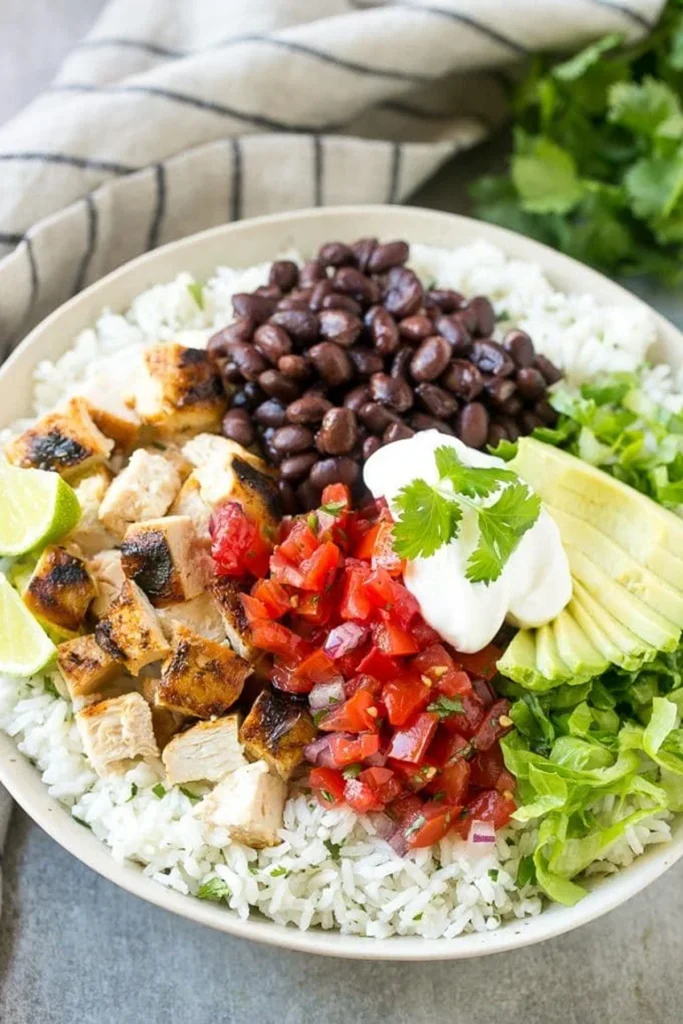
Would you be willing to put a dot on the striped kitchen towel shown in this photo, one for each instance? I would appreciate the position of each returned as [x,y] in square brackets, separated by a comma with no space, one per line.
[173,117]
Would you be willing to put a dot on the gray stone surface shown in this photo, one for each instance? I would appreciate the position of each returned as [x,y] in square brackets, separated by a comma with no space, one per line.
[74,948]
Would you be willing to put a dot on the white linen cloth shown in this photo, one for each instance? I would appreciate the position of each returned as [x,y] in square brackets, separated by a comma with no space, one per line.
[175,115]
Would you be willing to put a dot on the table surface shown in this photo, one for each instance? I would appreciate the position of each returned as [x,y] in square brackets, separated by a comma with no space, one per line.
[73,947]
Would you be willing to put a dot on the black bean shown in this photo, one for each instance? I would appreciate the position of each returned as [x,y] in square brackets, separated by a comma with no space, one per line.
[481,308]
[371,445]
[376,417]
[339,470]
[548,369]
[491,357]
[511,426]
[456,334]
[231,374]
[284,274]
[290,505]
[238,427]
[338,432]
[270,413]
[295,367]
[297,466]
[358,397]
[268,291]
[520,346]
[308,495]
[531,383]
[332,363]
[431,358]
[447,300]
[311,272]
[397,432]
[496,434]
[258,307]
[416,328]
[218,345]
[336,254]
[500,390]
[351,281]
[463,378]
[403,292]
[278,386]
[321,291]
[529,421]
[247,360]
[365,361]
[472,425]
[300,324]
[363,250]
[339,326]
[423,421]
[437,401]
[272,342]
[513,406]
[248,397]
[400,364]
[291,439]
[291,303]
[392,391]
[468,317]
[308,409]
[545,412]
[383,330]
[335,300]
[273,456]
[388,255]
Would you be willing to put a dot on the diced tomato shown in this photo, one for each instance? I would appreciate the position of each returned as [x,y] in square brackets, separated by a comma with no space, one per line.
[405,808]
[469,719]
[273,596]
[299,544]
[284,571]
[391,596]
[434,661]
[237,546]
[317,668]
[277,639]
[448,748]
[413,777]
[363,681]
[377,663]
[254,609]
[321,567]
[391,639]
[451,783]
[315,608]
[403,697]
[481,663]
[383,554]
[357,714]
[506,783]
[431,825]
[495,724]
[455,683]
[383,782]
[346,749]
[487,767]
[487,806]
[366,543]
[328,786]
[355,603]
[411,742]
[284,677]
[361,797]
[348,663]
[423,634]
[336,494]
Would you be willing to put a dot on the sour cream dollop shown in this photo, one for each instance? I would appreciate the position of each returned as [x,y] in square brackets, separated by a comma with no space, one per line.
[534,586]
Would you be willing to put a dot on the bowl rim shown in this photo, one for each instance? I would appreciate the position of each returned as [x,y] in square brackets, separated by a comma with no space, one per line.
[22,779]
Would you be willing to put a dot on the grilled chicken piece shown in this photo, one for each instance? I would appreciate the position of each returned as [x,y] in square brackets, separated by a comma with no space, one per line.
[227,596]
[90,536]
[276,730]
[201,678]
[85,667]
[180,390]
[130,631]
[226,472]
[209,750]
[143,490]
[164,722]
[107,572]
[116,733]
[164,558]
[249,803]
[174,455]
[60,589]
[109,410]
[66,441]
[201,615]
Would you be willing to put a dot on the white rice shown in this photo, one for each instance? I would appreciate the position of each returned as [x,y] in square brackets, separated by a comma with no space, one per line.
[332,869]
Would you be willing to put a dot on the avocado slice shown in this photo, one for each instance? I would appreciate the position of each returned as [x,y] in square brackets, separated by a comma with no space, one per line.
[519,663]
[548,661]
[652,535]
[620,565]
[617,643]
[576,650]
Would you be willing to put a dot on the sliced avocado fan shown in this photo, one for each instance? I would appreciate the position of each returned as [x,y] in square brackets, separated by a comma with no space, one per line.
[626,558]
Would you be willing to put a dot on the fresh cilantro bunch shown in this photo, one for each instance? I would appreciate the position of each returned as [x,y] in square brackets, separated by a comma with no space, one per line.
[597,166]
[430,515]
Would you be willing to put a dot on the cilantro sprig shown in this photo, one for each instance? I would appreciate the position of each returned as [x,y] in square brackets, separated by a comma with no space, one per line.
[430,515]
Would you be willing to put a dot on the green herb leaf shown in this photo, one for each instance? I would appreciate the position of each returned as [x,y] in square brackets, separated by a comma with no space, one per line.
[470,481]
[352,771]
[526,872]
[334,508]
[214,889]
[546,178]
[279,873]
[427,520]
[189,794]
[332,848]
[444,707]
[196,290]
[502,525]
[159,790]
[133,791]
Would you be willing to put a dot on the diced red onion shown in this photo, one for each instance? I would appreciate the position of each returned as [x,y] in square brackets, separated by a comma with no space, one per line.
[377,760]
[318,753]
[383,824]
[481,839]
[324,694]
[343,639]
[484,691]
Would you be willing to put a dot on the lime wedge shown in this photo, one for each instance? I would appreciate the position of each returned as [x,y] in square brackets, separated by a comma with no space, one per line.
[24,647]
[36,508]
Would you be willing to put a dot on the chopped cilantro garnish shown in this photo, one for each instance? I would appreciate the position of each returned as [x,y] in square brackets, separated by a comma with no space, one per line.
[352,771]
[493,874]
[214,889]
[189,794]
[446,706]
[159,791]
[332,848]
[334,508]
[133,791]
[196,290]
[279,873]
[526,872]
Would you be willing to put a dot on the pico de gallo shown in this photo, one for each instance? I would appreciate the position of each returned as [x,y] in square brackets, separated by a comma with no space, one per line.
[406,725]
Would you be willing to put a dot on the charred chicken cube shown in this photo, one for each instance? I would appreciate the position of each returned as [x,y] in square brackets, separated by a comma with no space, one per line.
[164,722]
[227,597]
[85,667]
[164,558]
[130,631]
[201,615]
[107,573]
[116,733]
[201,678]
[91,536]
[143,490]
[276,730]
[180,390]
[249,804]
[206,751]
[66,441]
[60,589]
[109,410]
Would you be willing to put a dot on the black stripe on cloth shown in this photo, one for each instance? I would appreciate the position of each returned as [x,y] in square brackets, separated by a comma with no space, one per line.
[8,238]
[463,19]
[236,193]
[131,44]
[82,162]
[285,44]
[395,173]
[90,245]
[257,120]
[398,107]
[317,170]
[159,207]
[627,12]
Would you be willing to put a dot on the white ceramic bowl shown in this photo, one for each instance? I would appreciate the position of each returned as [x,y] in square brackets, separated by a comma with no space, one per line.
[243,244]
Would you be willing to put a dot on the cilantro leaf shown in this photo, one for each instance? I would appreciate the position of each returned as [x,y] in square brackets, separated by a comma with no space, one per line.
[471,481]
[501,526]
[214,889]
[159,790]
[546,178]
[444,707]
[427,520]
[332,848]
